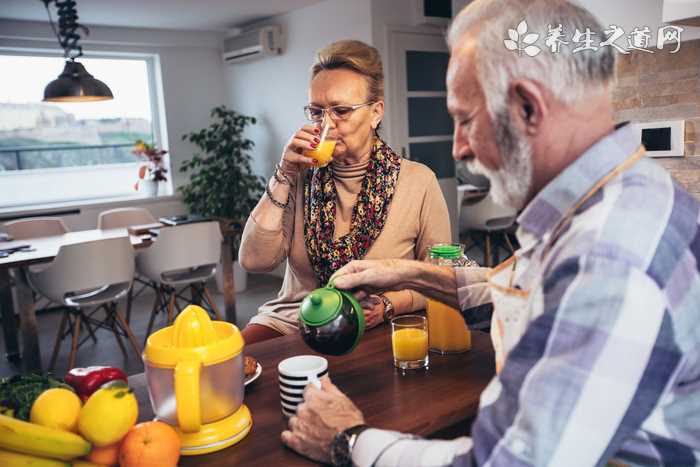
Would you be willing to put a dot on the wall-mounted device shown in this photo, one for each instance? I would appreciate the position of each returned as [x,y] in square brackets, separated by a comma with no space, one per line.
[259,42]
[662,139]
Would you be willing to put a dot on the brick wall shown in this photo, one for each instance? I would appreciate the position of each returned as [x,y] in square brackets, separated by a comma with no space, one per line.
[665,86]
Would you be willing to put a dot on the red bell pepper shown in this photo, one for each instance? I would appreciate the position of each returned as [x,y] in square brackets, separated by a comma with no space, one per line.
[85,381]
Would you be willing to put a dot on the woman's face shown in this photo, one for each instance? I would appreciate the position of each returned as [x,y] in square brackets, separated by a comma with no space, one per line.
[345,87]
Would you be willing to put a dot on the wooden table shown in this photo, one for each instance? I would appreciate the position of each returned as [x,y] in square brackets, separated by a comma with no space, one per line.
[444,399]
[15,293]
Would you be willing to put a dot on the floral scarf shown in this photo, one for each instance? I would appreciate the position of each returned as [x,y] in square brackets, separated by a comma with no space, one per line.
[368,217]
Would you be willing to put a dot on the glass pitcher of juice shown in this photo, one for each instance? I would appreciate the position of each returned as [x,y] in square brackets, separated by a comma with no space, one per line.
[447,331]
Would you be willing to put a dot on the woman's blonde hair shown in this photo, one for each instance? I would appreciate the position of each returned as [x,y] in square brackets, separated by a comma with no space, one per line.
[355,56]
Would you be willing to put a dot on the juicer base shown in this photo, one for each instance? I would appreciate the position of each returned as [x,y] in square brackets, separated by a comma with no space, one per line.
[218,435]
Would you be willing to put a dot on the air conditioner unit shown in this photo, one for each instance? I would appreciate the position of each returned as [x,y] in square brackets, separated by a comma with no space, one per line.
[259,42]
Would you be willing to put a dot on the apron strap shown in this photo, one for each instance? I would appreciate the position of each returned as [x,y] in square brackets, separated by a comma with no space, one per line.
[565,221]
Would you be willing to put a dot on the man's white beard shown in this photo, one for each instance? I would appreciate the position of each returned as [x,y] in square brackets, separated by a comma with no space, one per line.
[511,183]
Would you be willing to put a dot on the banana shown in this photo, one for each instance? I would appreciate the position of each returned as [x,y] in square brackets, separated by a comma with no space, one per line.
[29,438]
[15,459]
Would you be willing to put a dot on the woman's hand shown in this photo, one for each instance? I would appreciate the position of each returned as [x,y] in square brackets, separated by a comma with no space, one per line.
[293,160]
[373,307]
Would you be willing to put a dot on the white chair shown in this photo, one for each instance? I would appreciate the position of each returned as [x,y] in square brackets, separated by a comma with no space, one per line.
[124,218]
[485,218]
[89,274]
[25,229]
[182,255]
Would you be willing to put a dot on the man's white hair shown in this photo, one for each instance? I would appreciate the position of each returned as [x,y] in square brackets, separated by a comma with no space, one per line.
[569,76]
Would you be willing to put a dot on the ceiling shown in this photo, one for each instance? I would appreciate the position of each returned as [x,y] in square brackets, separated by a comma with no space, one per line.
[205,15]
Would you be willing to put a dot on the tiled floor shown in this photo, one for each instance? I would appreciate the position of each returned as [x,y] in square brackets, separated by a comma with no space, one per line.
[106,351]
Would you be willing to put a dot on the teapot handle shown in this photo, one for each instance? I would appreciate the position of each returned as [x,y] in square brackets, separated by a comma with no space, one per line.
[187,395]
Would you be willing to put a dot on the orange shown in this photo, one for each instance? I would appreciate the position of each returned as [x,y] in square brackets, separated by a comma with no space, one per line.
[148,444]
[105,455]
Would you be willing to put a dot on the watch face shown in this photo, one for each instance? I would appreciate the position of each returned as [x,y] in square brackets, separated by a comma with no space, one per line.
[340,450]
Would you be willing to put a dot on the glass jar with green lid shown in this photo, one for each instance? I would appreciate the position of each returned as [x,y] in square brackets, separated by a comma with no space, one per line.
[447,331]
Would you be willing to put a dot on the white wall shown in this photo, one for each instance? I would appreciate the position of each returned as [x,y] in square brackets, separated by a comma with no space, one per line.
[629,14]
[191,73]
[275,89]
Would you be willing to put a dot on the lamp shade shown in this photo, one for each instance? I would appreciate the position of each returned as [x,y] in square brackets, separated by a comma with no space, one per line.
[75,84]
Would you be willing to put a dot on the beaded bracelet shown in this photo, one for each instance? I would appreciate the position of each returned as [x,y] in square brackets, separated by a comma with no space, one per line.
[274,201]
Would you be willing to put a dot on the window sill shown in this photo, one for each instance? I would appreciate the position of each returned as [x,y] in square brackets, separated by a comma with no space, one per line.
[48,209]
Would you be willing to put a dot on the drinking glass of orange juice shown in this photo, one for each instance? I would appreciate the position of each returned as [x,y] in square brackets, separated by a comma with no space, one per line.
[323,153]
[409,342]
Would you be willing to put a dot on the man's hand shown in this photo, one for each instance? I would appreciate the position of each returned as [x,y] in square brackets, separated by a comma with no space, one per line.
[375,275]
[324,413]
[381,275]
[373,308]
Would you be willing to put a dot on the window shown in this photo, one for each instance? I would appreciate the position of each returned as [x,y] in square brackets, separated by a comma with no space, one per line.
[60,152]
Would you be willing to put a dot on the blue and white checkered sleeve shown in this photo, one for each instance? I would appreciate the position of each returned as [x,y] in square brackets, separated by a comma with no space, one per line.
[585,374]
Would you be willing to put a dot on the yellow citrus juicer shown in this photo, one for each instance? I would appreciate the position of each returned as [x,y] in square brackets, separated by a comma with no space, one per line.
[194,372]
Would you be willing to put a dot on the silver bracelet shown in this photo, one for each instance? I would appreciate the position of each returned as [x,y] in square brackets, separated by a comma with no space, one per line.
[274,201]
[280,176]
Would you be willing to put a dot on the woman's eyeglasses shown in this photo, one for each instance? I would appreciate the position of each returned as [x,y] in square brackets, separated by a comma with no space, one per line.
[336,112]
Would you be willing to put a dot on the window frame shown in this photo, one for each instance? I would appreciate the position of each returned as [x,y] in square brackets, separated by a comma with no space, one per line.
[158,119]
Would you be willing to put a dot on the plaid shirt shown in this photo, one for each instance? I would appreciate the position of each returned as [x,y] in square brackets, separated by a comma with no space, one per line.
[609,365]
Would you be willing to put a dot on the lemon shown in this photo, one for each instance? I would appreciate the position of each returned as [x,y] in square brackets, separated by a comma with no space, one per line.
[56,408]
[108,414]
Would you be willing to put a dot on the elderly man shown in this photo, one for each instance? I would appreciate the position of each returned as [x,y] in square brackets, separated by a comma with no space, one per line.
[596,335]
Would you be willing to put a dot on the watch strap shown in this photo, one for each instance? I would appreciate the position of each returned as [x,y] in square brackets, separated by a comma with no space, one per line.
[388,308]
[341,447]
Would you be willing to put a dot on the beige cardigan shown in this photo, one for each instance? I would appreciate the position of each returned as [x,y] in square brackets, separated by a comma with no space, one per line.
[417,218]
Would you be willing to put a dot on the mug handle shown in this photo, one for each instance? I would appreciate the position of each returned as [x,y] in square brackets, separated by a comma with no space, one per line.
[187,395]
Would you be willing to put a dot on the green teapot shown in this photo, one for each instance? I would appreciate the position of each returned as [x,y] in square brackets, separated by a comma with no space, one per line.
[331,321]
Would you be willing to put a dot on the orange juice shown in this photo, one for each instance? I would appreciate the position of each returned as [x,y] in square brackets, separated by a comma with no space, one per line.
[409,344]
[323,154]
[447,331]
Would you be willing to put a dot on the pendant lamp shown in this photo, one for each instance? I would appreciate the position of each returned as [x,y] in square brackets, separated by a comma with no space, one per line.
[74,84]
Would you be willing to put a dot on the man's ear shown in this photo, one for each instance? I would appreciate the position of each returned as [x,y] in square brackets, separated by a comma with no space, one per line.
[527,105]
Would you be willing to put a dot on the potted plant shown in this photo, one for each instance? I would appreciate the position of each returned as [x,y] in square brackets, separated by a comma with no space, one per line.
[221,181]
[153,171]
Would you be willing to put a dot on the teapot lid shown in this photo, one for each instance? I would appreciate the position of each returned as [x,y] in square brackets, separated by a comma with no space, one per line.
[193,336]
[321,306]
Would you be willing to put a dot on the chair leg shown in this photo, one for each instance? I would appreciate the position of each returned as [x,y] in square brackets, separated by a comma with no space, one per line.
[89,327]
[154,312]
[488,259]
[196,295]
[74,341]
[129,301]
[113,327]
[129,334]
[171,306]
[211,301]
[59,339]
[508,242]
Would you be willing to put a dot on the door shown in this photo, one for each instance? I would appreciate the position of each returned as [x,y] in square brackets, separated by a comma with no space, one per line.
[422,127]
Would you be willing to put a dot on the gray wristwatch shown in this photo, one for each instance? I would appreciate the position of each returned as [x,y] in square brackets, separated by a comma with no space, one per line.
[341,447]
[388,308]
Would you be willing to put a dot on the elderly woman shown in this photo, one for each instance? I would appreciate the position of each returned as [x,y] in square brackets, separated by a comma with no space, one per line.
[368,203]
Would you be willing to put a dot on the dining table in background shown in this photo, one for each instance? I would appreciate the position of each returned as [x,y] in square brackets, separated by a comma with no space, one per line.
[440,402]
[16,294]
